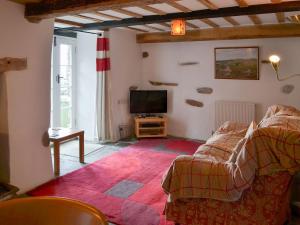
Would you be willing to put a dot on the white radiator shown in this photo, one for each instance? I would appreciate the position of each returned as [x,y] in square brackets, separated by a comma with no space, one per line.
[243,112]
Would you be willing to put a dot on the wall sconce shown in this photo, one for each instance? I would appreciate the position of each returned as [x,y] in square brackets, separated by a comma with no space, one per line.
[275,61]
[178,27]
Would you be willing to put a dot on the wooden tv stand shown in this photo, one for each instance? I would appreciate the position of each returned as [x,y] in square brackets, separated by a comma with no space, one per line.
[150,126]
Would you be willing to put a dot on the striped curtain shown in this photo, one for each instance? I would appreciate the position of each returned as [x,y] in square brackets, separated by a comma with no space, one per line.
[103,108]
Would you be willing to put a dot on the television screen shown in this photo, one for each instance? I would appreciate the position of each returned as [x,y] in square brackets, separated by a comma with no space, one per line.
[148,101]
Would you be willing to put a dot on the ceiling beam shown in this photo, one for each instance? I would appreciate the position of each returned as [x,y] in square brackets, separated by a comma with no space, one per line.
[209,4]
[65,33]
[177,6]
[128,13]
[55,8]
[200,14]
[226,33]
[232,21]
[68,23]
[209,22]
[242,3]
[155,28]
[137,29]
[280,15]
[87,18]
[183,9]
[131,28]
[107,16]
[151,9]
[254,18]
[191,25]
[212,6]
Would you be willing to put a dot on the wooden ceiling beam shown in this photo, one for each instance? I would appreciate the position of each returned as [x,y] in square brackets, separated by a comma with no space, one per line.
[242,3]
[137,29]
[110,17]
[212,6]
[210,22]
[226,33]
[199,14]
[177,6]
[183,9]
[155,28]
[254,18]
[56,8]
[151,9]
[280,15]
[128,13]
[68,23]
[87,18]
[165,25]
[208,4]
[232,21]
[191,25]
[76,24]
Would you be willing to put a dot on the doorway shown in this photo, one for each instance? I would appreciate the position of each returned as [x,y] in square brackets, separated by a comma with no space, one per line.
[63,78]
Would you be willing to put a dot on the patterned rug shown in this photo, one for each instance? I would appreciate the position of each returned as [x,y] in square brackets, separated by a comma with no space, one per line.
[125,186]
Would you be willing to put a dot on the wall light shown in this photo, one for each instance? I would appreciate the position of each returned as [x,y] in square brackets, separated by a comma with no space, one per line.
[178,27]
[275,61]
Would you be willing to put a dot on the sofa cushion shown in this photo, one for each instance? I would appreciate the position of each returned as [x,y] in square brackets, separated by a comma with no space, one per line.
[281,110]
[285,122]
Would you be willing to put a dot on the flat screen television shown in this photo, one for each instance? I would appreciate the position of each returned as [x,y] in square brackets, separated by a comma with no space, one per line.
[148,102]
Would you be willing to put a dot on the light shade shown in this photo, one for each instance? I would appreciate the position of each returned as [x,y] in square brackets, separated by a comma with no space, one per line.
[178,27]
[274,59]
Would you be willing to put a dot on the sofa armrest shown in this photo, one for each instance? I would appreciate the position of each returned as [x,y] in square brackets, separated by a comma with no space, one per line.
[194,177]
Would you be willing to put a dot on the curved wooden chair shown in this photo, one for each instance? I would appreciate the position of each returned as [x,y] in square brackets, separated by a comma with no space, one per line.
[49,211]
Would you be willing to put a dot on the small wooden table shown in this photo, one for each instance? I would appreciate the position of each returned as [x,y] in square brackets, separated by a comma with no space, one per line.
[58,135]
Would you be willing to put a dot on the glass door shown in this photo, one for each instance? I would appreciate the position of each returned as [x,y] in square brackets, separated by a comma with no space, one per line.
[62,82]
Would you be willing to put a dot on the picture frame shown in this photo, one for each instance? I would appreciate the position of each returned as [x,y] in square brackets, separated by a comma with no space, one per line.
[238,63]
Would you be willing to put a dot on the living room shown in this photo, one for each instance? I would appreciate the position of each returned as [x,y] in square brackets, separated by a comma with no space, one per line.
[185,68]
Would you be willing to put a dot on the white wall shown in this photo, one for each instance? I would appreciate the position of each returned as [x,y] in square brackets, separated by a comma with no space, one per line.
[126,59]
[86,84]
[28,94]
[192,122]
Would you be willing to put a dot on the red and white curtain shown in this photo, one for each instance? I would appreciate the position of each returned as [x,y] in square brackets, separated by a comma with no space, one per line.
[103,108]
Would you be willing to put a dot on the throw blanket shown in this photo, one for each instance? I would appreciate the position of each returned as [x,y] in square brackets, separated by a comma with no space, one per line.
[228,163]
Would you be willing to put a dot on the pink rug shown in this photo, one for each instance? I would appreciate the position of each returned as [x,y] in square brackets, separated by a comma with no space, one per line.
[125,186]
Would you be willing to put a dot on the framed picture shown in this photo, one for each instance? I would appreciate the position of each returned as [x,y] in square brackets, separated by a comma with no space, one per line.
[240,63]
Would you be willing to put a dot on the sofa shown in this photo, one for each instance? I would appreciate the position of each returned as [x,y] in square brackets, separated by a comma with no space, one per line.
[242,175]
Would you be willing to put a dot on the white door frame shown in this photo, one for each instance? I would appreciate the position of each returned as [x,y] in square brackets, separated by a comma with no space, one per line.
[55,95]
